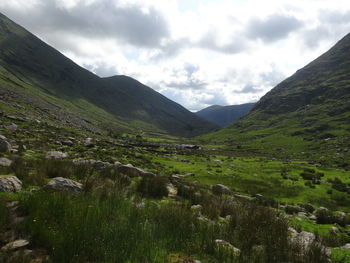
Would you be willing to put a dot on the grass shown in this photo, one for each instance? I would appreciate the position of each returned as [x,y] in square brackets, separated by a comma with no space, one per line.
[111,228]
[261,175]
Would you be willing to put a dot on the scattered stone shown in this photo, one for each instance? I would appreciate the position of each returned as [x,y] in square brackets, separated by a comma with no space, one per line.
[117,164]
[56,155]
[68,143]
[64,184]
[196,209]
[302,214]
[99,165]
[224,244]
[5,146]
[89,142]
[334,230]
[10,184]
[15,245]
[172,191]
[132,171]
[13,127]
[346,246]
[217,161]
[305,238]
[243,197]
[5,162]
[220,189]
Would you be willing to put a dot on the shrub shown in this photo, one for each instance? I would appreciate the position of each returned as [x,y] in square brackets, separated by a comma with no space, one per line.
[153,186]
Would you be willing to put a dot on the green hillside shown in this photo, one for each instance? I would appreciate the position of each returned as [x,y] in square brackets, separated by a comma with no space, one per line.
[307,116]
[48,85]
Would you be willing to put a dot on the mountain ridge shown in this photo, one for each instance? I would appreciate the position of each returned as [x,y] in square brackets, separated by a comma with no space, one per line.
[224,115]
[27,61]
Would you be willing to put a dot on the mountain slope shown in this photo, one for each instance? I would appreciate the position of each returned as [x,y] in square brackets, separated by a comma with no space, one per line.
[224,115]
[307,114]
[46,83]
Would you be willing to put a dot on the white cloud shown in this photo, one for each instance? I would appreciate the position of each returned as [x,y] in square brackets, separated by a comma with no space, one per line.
[195,52]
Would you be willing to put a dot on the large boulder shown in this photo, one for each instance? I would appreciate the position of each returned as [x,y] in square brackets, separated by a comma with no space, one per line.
[5,146]
[64,184]
[132,171]
[56,155]
[220,189]
[10,184]
[5,162]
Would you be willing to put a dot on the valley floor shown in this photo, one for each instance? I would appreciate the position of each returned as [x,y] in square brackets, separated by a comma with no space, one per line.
[77,200]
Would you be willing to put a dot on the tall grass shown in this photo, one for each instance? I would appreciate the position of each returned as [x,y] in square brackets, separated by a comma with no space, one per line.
[110,228]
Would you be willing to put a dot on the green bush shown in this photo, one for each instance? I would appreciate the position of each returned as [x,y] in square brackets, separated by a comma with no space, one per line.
[153,186]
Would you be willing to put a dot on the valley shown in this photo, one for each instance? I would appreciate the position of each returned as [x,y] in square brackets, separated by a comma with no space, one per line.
[108,170]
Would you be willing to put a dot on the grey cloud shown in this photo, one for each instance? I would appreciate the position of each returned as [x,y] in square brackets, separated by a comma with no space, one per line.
[192,82]
[101,19]
[313,37]
[249,88]
[208,41]
[272,78]
[272,28]
[334,17]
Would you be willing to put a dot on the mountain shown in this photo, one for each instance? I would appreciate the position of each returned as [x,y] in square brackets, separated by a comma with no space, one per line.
[37,81]
[307,114]
[224,115]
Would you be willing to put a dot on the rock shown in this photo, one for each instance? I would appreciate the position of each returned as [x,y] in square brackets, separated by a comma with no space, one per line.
[89,142]
[132,171]
[15,245]
[13,127]
[172,191]
[334,230]
[243,197]
[10,184]
[5,146]
[5,162]
[302,214]
[56,155]
[346,246]
[99,165]
[64,184]
[305,238]
[224,244]
[68,143]
[117,164]
[196,209]
[220,189]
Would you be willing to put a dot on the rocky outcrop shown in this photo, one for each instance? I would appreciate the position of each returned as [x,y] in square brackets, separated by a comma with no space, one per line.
[5,162]
[56,155]
[132,171]
[10,184]
[64,184]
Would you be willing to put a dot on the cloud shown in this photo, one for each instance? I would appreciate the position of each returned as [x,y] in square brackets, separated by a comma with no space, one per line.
[209,41]
[215,52]
[130,23]
[273,27]
[249,88]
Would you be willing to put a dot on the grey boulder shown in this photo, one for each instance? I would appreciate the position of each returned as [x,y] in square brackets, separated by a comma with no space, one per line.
[64,184]
[10,184]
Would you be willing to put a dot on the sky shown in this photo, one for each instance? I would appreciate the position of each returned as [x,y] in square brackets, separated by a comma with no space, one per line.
[195,52]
